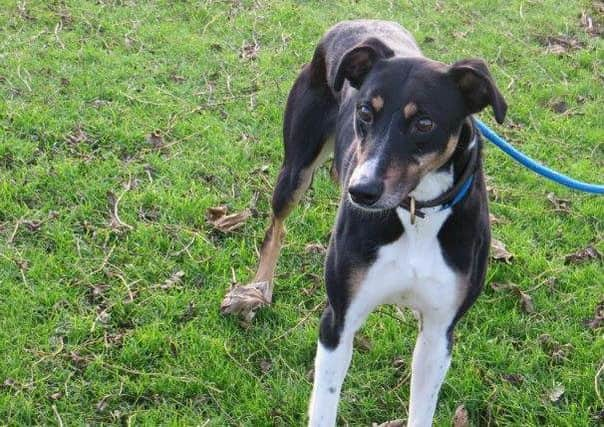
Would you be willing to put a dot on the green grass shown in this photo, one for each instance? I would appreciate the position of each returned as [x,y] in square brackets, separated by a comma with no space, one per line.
[140,354]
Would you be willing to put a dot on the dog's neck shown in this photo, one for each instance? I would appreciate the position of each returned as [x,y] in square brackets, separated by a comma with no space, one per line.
[439,181]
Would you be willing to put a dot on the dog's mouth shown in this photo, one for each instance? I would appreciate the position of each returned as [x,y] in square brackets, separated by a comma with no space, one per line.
[388,200]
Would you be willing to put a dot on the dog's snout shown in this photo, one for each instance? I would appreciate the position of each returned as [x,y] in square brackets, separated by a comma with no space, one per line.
[366,192]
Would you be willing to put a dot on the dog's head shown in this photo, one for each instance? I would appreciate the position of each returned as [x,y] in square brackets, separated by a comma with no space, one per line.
[408,117]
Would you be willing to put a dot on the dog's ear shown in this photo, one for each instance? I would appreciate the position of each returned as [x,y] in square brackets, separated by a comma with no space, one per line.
[477,87]
[358,61]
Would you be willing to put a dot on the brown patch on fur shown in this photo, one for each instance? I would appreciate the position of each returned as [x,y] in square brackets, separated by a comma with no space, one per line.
[433,161]
[269,252]
[409,110]
[377,102]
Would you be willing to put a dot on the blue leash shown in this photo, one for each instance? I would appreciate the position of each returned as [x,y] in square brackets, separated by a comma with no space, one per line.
[538,168]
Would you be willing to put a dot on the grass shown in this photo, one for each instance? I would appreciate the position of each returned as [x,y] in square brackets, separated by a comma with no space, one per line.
[88,336]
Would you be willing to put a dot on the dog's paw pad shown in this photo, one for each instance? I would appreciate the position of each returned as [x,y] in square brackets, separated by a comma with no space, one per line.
[245,300]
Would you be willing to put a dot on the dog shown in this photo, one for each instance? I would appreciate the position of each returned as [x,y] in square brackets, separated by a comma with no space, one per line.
[412,226]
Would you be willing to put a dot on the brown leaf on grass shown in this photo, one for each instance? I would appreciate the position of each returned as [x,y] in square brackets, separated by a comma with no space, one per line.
[265,366]
[217,216]
[177,78]
[171,281]
[9,383]
[315,248]
[97,292]
[398,363]
[495,220]
[189,313]
[556,351]
[560,205]
[589,25]
[362,343]
[559,107]
[583,255]
[514,379]
[499,251]
[77,360]
[555,394]
[598,417]
[559,45]
[393,423]
[77,136]
[156,139]
[56,395]
[250,50]
[598,319]
[461,418]
[526,301]
[32,225]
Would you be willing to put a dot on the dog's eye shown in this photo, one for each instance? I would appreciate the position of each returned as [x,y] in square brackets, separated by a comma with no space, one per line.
[424,125]
[365,114]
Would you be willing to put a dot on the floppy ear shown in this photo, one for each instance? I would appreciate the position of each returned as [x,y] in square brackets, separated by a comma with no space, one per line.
[358,61]
[477,87]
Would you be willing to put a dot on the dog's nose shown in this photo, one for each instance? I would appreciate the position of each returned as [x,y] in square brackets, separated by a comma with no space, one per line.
[367,192]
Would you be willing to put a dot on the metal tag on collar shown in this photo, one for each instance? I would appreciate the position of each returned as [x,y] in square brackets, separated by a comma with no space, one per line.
[412,210]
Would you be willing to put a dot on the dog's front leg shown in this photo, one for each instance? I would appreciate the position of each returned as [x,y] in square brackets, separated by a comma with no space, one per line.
[334,353]
[431,360]
[331,365]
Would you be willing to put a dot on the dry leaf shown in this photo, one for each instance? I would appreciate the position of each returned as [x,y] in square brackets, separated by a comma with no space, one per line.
[32,225]
[218,217]
[499,251]
[56,396]
[172,281]
[398,363]
[514,379]
[77,135]
[461,418]
[526,301]
[250,50]
[156,139]
[559,107]
[598,319]
[495,220]
[590,26]
[582,255]
[315,248]
[98,291]
[560,205]
[561,44]
[362,343]
[265,366]
[189,313]
[393,423]
[216,212]
[556,393]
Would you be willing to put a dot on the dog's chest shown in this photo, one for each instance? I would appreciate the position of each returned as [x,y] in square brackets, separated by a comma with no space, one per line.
[412,270]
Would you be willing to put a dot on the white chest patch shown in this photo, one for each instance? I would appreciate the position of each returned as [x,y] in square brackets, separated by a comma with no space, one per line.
[412,271]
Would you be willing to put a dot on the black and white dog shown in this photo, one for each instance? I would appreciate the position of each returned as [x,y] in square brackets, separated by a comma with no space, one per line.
[413,224]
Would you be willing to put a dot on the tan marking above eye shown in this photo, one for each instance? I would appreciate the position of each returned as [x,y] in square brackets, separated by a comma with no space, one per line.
[409,110]
[377,102]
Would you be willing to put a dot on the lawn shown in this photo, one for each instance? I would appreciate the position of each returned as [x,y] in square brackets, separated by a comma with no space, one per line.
[122,122]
